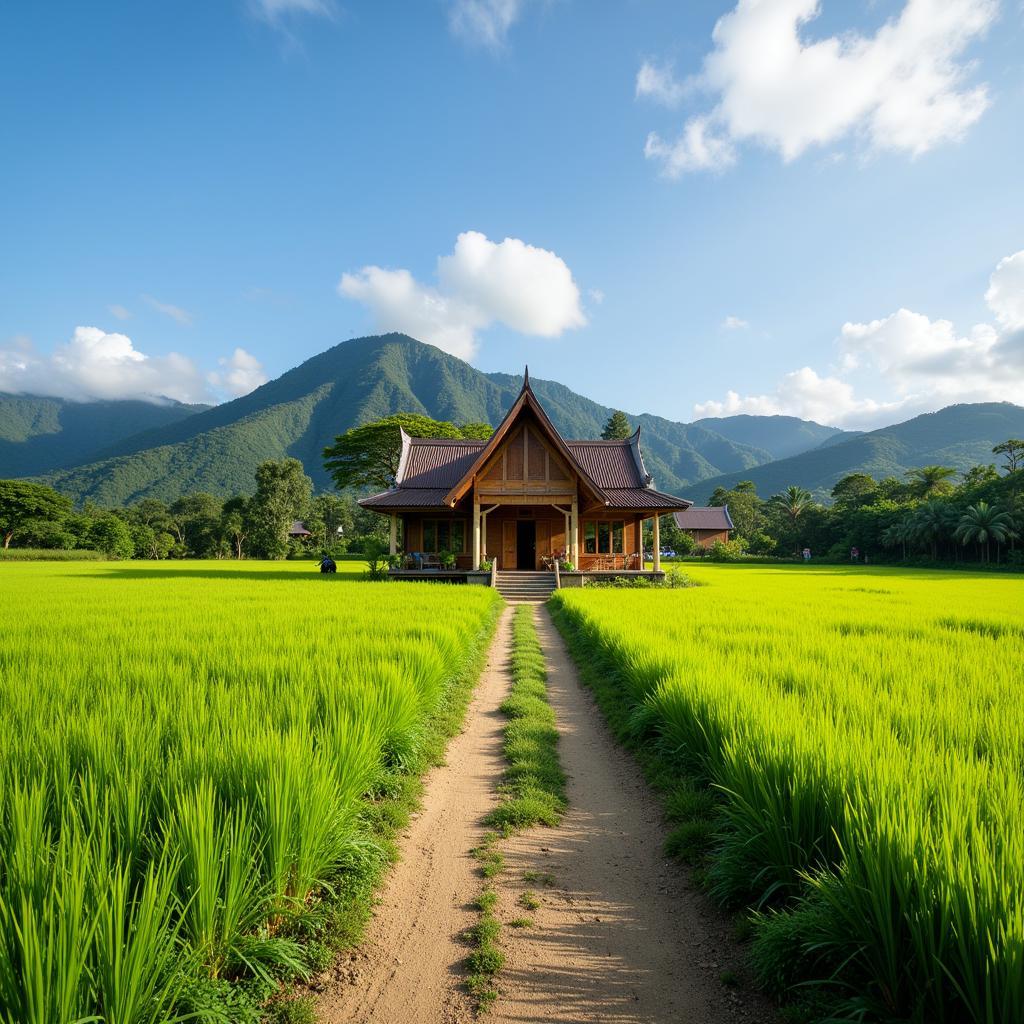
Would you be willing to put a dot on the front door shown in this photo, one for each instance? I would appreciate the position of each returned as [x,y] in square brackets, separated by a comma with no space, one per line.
[526,544]
[508,545]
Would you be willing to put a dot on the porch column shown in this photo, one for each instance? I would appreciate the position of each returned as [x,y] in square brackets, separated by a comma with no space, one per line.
[640,541]
[476,530]
[394,534]
[657,543]
[574,529]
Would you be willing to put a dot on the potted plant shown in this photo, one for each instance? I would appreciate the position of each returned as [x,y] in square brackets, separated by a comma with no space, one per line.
[486,565]
[447,559]
[566,566]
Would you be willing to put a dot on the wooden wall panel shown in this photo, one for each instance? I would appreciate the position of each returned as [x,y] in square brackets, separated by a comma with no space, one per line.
[514,458]
[537,458]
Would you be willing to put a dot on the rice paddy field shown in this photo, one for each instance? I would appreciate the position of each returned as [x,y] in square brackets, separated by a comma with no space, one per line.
[192,756]
[845,749]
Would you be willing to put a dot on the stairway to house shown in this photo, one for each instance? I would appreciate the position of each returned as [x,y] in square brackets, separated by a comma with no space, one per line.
[525,586]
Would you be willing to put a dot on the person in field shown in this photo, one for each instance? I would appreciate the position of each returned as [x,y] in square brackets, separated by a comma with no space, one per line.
[327,564]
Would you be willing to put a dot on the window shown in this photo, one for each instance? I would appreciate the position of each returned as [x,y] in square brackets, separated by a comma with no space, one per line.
[603,537]
[444,535]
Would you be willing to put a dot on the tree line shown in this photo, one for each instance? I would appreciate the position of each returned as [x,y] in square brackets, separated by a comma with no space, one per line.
[932,514]
[197,525]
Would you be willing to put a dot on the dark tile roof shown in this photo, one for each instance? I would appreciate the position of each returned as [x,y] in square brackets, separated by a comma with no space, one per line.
[610,463]
[407,497]
[712,517]
[430,462]
[431,470]
[643,497]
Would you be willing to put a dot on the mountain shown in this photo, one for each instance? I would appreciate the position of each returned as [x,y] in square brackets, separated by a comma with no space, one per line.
[40,434]
[780,436]
[357,381]
[959,435]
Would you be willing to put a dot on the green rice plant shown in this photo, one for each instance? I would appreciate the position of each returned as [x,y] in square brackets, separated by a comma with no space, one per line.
[859,734]
[192,764]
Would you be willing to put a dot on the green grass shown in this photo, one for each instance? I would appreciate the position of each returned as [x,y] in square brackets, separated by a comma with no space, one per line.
[532,793]
[859,734]
[204,770]
[533,790]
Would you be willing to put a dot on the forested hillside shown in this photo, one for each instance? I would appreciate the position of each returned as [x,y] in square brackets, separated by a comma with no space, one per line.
[960,436]
[355,382]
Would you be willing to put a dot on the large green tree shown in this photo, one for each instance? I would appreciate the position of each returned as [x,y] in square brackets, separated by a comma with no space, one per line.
[282,495]
[1013,451]
[195,521]
[745,507]
[367,457]
[21,502]
[854,489]
[617,428]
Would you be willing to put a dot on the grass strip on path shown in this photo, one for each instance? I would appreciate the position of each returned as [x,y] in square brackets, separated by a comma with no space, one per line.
[532,793]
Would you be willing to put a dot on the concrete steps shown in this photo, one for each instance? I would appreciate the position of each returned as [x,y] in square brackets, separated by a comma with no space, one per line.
[520,587]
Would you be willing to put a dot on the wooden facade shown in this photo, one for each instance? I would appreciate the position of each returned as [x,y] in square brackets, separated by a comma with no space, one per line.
[523,498]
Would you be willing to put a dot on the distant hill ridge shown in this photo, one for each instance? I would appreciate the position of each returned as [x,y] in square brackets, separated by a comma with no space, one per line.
[120,452]
[960,436]
[297,414]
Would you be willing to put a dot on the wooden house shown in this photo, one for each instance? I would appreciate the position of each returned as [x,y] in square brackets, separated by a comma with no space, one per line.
[524,497]
[705,524]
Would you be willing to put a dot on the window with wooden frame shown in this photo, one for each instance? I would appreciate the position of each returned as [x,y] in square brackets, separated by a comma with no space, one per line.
[603,536]
[444,535]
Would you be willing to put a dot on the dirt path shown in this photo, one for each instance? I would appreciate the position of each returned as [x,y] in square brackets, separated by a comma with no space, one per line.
[409,968]
[619,936]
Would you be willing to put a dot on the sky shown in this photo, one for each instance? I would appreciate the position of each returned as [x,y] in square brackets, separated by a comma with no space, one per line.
[689,209]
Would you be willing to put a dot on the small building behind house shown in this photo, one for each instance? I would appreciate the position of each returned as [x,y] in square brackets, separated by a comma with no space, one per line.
[705,524]
[298,531]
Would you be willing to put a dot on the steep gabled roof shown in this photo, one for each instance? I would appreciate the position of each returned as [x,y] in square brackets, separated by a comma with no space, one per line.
[709,517]
[437,472]
[526,400]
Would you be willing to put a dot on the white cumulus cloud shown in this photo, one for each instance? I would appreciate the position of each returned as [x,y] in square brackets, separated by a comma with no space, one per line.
[528,289]
[484,22]
[240,373]
[97,364]
[905,88]
[920,365]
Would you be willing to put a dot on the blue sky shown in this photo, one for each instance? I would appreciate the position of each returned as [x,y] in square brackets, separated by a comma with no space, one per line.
[683,209]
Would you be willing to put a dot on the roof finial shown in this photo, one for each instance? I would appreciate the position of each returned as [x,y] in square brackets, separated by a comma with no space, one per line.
[526,377]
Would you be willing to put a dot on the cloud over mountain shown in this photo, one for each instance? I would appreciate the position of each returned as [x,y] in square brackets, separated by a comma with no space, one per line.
[528,289]
[97,364]
[923,364]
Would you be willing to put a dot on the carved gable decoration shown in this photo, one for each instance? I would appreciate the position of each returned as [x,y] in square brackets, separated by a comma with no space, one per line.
[528,460]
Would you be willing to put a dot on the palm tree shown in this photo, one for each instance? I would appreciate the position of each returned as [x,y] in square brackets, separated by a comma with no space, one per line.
[933,522]
[984,523]
[792,503]
[930,481]
[898,533]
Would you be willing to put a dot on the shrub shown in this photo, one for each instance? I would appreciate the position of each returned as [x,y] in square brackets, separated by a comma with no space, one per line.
[726,551]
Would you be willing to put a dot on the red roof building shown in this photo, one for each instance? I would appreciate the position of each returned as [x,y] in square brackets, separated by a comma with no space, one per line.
[525,496]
